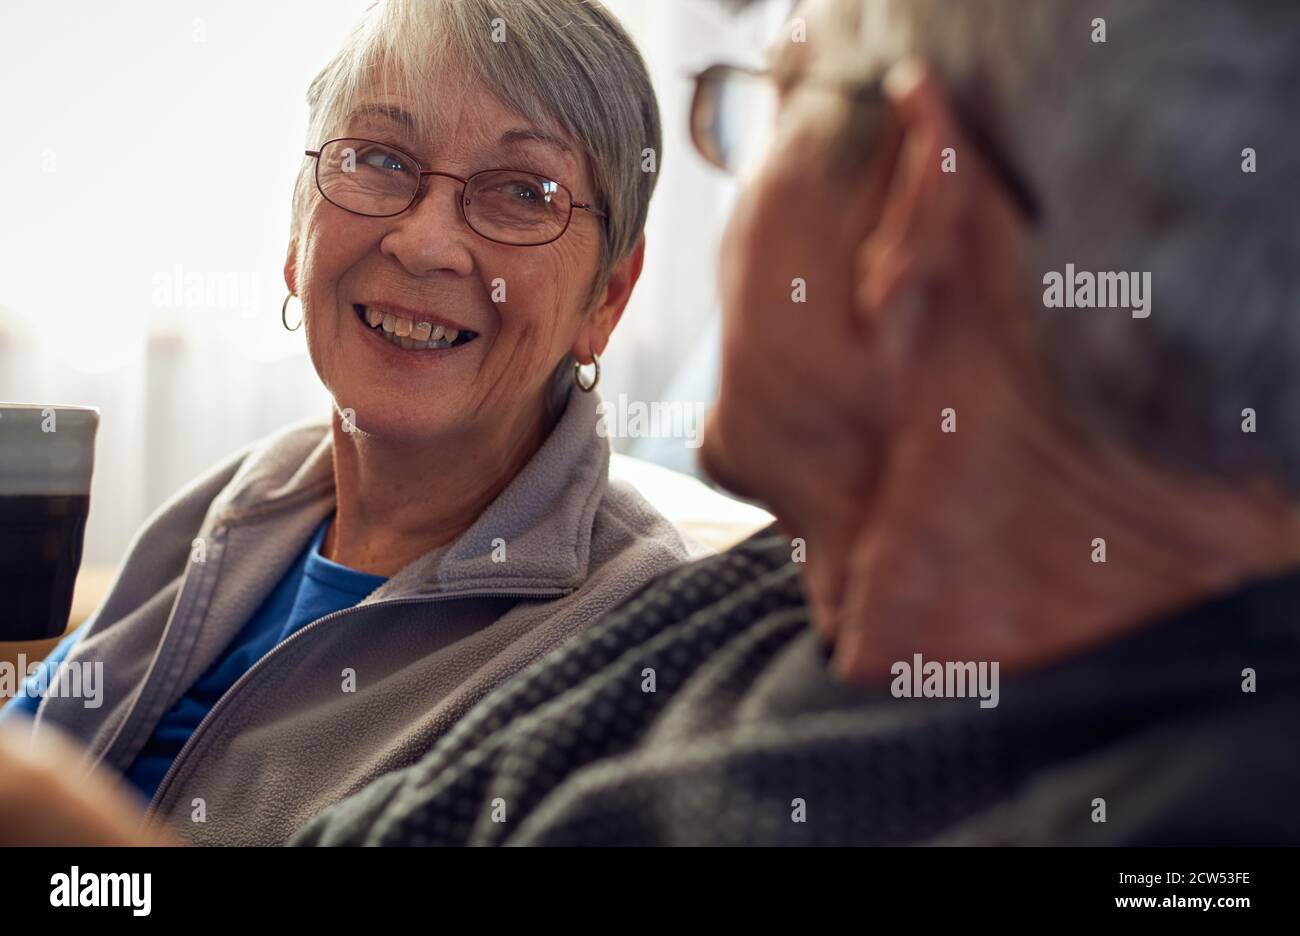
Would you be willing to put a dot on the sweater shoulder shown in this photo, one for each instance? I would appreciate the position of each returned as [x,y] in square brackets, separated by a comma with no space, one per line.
[1210,778]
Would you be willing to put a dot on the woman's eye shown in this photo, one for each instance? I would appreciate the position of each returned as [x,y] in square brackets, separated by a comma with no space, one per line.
[522,191]
[520,195]
[383,159]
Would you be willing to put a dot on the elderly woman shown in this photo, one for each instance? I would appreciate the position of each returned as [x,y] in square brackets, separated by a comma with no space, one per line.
[320,608]
[1041,565]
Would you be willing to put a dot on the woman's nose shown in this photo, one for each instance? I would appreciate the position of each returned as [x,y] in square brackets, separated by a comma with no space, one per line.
[432,233]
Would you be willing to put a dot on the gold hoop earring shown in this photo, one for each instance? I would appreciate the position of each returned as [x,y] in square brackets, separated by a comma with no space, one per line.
[577,374]
[284,308]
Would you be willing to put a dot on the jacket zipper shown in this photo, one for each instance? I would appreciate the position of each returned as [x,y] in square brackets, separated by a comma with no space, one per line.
[252,670]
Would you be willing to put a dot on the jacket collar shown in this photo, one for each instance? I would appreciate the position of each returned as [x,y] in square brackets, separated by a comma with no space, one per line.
[536,535]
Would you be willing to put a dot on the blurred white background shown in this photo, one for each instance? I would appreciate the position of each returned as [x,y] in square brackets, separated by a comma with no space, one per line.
[149,149]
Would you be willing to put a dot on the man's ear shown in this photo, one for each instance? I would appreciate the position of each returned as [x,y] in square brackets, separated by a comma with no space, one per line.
[608,309]
[291,266]
[924,195]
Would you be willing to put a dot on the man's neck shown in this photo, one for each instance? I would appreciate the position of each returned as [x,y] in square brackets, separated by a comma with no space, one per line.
[1009,540]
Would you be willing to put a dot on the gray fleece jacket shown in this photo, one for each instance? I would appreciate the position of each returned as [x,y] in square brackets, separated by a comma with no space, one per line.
[294,735]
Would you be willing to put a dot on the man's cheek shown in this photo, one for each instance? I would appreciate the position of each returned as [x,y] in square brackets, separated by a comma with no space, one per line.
[742,240]
[718,459]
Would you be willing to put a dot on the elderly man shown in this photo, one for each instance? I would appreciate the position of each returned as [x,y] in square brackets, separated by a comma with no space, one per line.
[1038,559]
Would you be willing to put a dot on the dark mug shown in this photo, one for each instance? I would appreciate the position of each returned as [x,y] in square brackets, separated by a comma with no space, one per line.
[47,453]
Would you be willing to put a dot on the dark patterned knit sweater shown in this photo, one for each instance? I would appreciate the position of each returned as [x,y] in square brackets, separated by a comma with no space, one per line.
[747,738]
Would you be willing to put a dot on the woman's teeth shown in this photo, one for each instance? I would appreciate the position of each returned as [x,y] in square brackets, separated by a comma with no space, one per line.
[413,336]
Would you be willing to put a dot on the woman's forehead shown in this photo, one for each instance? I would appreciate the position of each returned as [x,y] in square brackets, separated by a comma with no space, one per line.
[476,121]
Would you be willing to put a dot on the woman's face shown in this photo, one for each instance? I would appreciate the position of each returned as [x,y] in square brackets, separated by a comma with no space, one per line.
[526,306]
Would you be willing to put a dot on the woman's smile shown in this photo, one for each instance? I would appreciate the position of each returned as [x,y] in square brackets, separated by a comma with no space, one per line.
[409,338]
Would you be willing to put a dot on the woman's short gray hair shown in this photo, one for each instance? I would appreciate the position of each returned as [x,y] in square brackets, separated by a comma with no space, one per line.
[566,65]
[1140,149]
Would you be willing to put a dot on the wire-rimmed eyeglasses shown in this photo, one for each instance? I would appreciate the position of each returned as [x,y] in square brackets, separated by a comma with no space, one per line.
[734,111]
[508,206]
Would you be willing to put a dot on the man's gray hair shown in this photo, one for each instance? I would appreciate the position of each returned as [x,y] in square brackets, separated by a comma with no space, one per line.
[1136,148]
[564,65]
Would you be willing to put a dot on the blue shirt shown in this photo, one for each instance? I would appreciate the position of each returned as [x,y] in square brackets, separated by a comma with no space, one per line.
[312,588]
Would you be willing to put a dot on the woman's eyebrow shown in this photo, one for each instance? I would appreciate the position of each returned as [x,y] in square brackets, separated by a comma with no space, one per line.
[511,137]
[534,135]
[386,111]
[515,135]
